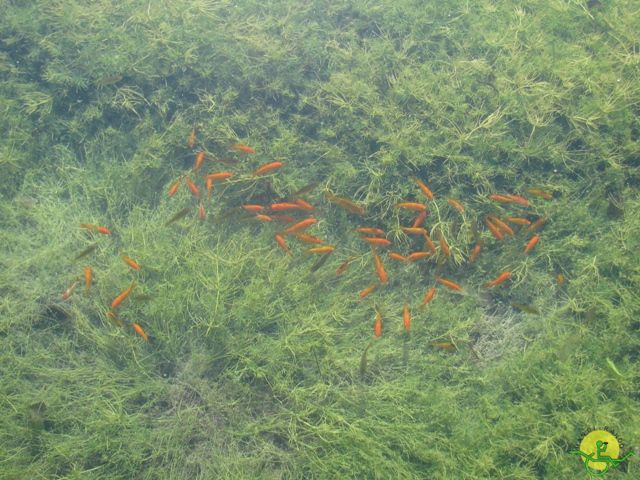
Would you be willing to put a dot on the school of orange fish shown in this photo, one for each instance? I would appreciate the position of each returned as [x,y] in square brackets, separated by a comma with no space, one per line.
[288,214]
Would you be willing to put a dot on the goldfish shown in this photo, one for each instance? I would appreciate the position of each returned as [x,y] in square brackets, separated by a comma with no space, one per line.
[345,203]
[397,257]
[202,215]
[456,204]
[179,215]
[412,257]
[429,295]
[418,207]
[518,199]
[322,249]
[382,274]
[138,329]
[370,231]
[304,204]
[215,177]
[494,230]
[376,241]
[308,238]
[307,222]
[69,291]
[263,218]
[429,243]
[191,141]
[498,280]
[122,295]
[198,161]
[282,243]
[537,224]
[501,198]
[500,225]
[531,243]
[540,193]
[377,326]
[88,275]
[344,265]
[448,284]
[96,228]
[268,168]
[174,187]
[283,218]
[474,253]
[364,293]
[131,262]
[413,230]
[253,208]
[278,207]
[194,189]
[444,345]
[427,192]
[239,147]
[86,251]
[209,185]
[406,318]
[560,279]
[444,246]
[419,221]
[518,221]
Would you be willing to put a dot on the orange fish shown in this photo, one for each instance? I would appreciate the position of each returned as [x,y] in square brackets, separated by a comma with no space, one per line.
[518,221]
[382,275]
[67,293]
[418,207]
[406,318]
[278,207]
[503,227]
[412,257]
[474,253]
[376,241]
[122,295]
[239,147]
[343,266]
[498,280]
[532,243]
[537,224]
[194,189]
[540,193]
[304,204]
[253,208]
[202,215]
[419,221]
[455,204]
[368,290]
[501,198]
[429,295]
[444,246]
[560,279]
[191,141]
[198,161]
[448,284]
[397,257]
[518,199]
[138,329]
[345,203]
[323,249]
[413,230]
[88,275]
[216,177]
[429,243]
[131,262]
[308,238]
[494,230]
[370,231]
[427,192]
[307,222]
[174,187]
[209,184]
[282,243]
[377,326]
[267,168]
[96,228]
[283,218]
[264,218]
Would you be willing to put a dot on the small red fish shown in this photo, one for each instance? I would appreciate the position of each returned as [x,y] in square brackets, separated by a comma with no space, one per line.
[418,207]
[429,295]
[307,222]
[364,293]
[174,187]
[323,249]
[376,241]
[138,329]
[426,190]
[406,318]
[67,293]
[198,161]
[194,189]
[202,215]
[456,204]
[131,262]
[88,276]
[282,243]
[448,283]
[122,295]
[382,274]
[498,280]
[377,326]
[239,147]
[532,243]
[268,168]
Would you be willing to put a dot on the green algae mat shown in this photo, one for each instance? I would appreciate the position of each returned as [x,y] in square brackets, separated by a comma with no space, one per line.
[319,240]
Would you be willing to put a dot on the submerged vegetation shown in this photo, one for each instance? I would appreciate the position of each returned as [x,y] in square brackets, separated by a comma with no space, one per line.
[261,364]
